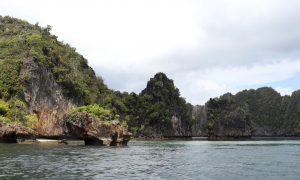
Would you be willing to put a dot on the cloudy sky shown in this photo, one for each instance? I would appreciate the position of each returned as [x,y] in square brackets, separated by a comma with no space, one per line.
[208,47]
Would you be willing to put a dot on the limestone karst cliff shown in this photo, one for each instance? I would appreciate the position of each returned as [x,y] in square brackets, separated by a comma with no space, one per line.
[270,113]
[159,110]
[226,121]
[168,113]
[45,98]
[41,78]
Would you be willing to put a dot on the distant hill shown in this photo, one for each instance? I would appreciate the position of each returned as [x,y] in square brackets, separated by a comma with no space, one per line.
[270,113]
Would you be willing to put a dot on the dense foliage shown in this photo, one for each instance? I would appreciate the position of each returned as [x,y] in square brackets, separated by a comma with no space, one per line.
[98,111]
[225,119]
[263,105]
[19,40]
[161,100]
[268,109]
[13,112]
[151,111]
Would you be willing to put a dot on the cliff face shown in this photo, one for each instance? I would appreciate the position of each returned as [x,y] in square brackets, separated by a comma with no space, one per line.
[290,119]
[199,117]
[270,113]
[226,121]
[265,110]
[45,98]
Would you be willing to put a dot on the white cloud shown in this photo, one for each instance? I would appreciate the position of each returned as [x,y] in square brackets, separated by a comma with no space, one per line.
[116,30]
[199,86]
[284,91]
[257,74]
[198,92]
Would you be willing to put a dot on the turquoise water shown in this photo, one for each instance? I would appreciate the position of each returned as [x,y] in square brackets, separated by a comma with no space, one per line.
[168,159]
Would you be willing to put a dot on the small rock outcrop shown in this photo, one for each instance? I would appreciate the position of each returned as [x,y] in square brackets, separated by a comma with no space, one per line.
[63,141]
[226,121]
[94,132]
[17,134]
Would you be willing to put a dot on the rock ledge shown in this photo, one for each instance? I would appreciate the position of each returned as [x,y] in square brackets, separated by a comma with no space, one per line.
[17,134]
[94,132]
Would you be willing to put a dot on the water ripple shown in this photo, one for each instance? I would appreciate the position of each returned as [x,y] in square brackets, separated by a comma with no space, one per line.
[154,160]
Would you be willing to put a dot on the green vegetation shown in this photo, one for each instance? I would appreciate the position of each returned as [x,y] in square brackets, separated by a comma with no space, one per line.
[263,106]
[98,111]
[157,104]
[200,119]
[149,112]
[13,111]
[4,111]
[4,108]
[224,118]
[214,109]
[19,40]
[10,80]
[31,120]
[291,117]
[266,108]
[124,124]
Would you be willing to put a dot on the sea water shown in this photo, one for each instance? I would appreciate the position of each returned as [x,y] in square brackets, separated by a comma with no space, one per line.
[157,159]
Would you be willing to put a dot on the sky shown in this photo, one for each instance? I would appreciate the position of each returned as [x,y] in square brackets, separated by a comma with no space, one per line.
[208,47]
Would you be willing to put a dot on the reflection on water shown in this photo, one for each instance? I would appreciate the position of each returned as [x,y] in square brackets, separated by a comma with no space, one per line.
[164,159]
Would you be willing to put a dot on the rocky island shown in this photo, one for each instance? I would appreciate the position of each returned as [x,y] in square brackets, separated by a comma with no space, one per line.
[41,80]
[48,90]
[226,121]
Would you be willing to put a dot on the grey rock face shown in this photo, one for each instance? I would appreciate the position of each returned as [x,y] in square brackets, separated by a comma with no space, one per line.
[225,121]
[45,98]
